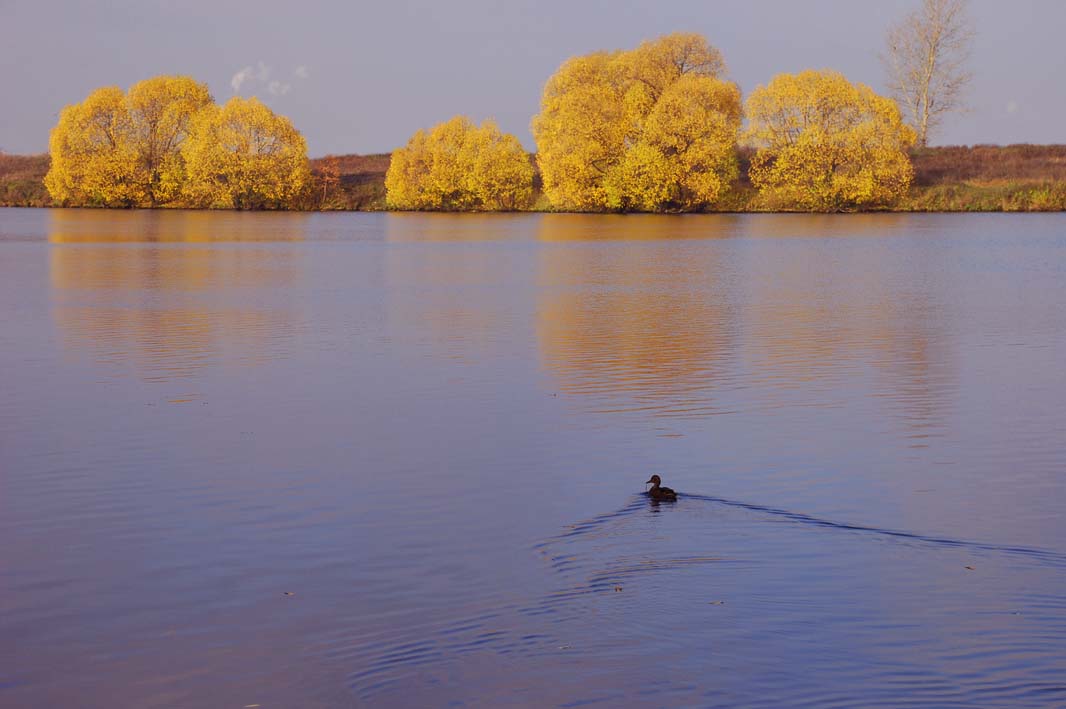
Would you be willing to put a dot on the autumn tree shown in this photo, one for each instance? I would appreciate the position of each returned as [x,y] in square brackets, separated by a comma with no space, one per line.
[651,129]
[826,144]
[459,166]
[926,62]
[161,112]
[116,149]
[244,156]
[92,158]
[329,175]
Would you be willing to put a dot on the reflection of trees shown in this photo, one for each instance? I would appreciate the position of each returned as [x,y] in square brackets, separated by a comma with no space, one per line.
[636,227]
[825,311]
[401,227]
[152,226]
[167,310]
[823,226]
[636,316]
[645,323]
[448,290]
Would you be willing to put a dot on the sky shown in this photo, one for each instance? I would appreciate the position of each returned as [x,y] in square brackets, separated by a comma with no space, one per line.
[361,77]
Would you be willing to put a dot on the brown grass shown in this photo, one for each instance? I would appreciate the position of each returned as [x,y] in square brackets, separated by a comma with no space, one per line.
[990,164]
[21,180]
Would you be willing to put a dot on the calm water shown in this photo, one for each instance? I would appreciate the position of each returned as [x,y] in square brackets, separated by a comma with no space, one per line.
[432,431]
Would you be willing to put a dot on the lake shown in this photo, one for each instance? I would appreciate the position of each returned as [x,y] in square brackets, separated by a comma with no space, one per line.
[325,460]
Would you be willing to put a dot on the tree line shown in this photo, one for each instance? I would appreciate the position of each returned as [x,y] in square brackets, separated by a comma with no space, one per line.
[656,128]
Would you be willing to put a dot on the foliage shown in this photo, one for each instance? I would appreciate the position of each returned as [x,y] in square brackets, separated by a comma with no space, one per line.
[825,144]
[161,110]
[92,158]
[116,149]
[328,175]
[459,166]
[243,155]
[165,142]
[651,129]
[926,63]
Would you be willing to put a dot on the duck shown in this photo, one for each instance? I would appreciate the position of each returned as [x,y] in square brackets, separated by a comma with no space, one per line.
[657,492]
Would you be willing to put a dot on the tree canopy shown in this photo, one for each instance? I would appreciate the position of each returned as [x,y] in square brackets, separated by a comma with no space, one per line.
[245,156]
[651,129]
[118,149]
[165,142]
[826,144]
[459,166]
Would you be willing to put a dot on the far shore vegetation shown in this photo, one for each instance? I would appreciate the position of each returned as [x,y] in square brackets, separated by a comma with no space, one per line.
[658,129]
[980,178]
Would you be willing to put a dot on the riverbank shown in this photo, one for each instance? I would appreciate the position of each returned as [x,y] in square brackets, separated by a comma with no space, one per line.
[983,178]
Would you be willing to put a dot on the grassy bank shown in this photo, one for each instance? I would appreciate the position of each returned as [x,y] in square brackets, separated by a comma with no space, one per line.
[982,178]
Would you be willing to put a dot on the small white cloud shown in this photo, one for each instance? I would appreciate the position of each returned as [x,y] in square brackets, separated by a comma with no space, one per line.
[300,72]
[240,78]
[260,77]
[1012,107]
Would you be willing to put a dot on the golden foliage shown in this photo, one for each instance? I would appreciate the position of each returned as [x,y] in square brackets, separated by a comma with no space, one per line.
[825,144]
[92,159]
[652,129]
[118,149]
[133,149]
[245,156]
[161,111]
[458,166]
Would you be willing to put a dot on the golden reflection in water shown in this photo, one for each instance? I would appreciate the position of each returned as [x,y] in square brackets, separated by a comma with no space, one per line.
[636,227]
[166,311]
[77,226]
[821,314]
[420,227]
[635,327]
[823,226]
[445,290]
[658,327]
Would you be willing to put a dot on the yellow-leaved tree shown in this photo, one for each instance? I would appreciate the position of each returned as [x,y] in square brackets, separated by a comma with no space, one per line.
[92,159]
[116,149]
[161,112]
[652,129]
[244,156]
[459,166]
[826,144]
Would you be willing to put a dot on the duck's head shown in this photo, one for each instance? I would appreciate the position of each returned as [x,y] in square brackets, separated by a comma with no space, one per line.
[654,480]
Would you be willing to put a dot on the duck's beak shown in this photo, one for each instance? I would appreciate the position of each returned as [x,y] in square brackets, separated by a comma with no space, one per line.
[648,482]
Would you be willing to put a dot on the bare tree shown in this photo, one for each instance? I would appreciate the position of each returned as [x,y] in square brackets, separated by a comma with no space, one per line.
[926,62]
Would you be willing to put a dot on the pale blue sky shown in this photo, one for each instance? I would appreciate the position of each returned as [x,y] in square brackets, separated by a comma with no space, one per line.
[361,76]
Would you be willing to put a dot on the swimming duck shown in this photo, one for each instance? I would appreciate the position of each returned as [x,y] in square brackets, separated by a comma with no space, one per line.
[657,492]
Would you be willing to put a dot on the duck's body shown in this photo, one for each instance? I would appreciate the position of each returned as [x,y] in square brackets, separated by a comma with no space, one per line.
[658,492]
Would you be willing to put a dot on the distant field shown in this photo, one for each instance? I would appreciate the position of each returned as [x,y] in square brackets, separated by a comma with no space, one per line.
[21,181]
[978,178]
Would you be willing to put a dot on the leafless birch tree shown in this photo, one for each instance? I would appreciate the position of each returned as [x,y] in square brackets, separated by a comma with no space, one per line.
[926,61]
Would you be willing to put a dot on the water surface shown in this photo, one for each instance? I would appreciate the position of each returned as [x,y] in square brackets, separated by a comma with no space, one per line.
[432,430]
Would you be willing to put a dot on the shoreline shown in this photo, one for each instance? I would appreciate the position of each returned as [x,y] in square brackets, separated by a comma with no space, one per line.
[501,212]
[947,179]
